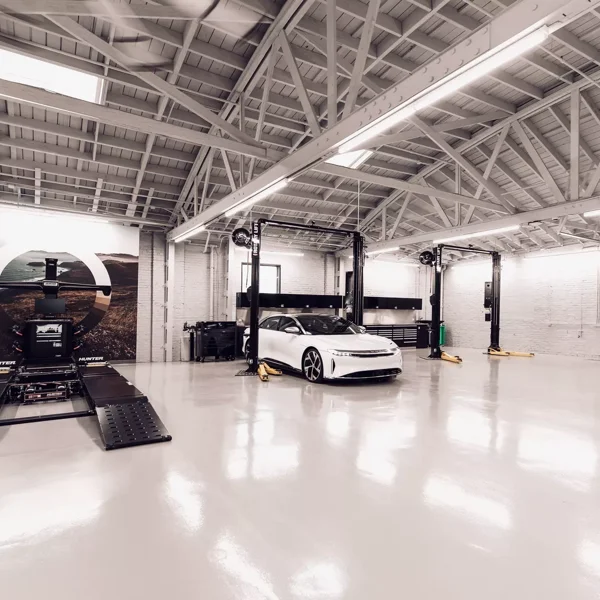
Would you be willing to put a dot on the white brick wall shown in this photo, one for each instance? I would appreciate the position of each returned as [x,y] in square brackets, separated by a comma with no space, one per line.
[329,274]
[307,274]
[222,283]
[151,298]
[191,294]
[549,304]
[144,309]
[158,297]
[392,279]
[312,273]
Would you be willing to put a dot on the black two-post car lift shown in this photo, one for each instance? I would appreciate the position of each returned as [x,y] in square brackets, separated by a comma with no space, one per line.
[48,369]
[434,259]
[242,237]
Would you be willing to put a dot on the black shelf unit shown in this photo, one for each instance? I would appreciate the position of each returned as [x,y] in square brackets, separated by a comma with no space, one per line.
[298,301]
[404,336]
[384,303]
[322,301]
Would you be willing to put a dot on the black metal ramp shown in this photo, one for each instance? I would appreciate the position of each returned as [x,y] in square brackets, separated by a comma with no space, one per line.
[113,389]
[131,424]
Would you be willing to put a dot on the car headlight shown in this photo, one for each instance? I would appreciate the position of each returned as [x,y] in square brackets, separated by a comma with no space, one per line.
[340,352]
[395,350]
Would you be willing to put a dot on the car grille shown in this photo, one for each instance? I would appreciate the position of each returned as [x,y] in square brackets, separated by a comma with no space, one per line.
[372,374]
[371,353]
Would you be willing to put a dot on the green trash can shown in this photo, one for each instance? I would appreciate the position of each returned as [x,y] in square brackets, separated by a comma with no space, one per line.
[442,334]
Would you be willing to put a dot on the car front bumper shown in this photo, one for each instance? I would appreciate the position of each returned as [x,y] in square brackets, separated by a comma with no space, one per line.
[365,367]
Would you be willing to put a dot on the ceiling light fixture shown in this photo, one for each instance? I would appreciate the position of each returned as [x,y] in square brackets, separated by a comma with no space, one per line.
[261,195]
[278,252]
[472,71]
[352,160]
[376,252]
[57,213]
[282,253]
[477,235]
[377,128]
[408,264]
[188,234]
[592,213]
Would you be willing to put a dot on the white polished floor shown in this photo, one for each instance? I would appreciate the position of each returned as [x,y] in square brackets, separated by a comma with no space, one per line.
[471,482]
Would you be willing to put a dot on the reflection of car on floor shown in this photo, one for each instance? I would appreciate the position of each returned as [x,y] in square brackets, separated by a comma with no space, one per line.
[325,347]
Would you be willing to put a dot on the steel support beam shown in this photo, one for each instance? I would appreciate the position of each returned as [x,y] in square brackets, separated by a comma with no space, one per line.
[13,201]
[148,203]
[97,193]
[189,34]
[539,163]
[164,87]
[406,186]
[575,145]
[309,111]
[556,211]
[487,184]
[399,216]
[443,127]
[332,94]
[88,110]
[361,57]
[523,15]
[38,183]
[287,18]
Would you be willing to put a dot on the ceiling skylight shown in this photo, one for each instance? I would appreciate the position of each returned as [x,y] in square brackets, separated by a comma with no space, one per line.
[38,73]
[352,160]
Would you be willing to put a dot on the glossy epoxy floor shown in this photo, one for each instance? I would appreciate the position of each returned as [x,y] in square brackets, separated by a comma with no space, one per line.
[456,482]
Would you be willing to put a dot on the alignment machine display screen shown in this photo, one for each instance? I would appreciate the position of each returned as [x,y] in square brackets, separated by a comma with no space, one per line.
[48,340]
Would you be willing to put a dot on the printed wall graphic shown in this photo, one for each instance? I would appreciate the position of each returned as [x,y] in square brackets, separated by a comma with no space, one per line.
[88,251]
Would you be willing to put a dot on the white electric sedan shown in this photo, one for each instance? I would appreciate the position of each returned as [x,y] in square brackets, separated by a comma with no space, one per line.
[326,347]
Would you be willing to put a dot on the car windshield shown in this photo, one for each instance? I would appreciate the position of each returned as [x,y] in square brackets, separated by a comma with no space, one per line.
[327,325]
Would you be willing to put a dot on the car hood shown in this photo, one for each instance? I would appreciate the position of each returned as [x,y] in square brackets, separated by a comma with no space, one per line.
[361,341]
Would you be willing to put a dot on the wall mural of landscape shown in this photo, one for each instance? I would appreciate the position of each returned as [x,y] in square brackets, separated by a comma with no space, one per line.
[115,337]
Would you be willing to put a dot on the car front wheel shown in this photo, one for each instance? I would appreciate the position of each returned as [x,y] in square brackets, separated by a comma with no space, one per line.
[312,366]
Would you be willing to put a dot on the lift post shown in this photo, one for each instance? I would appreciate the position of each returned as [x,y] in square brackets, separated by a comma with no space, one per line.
[255,245]
[436,310]
[358,288]
[436,304]
[254,294]
[495,308]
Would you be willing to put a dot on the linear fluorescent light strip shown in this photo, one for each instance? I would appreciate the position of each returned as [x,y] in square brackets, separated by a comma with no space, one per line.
[471,72]
[189,234]
[277,252]
[378,127]
[376,252]
[467,236]
[261,195]
[592,213]
[282,253]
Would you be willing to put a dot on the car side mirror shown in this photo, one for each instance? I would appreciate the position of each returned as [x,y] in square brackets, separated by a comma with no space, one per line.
[362,329]
[293,329]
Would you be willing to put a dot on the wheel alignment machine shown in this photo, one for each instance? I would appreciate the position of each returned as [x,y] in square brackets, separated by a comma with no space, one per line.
[47,369]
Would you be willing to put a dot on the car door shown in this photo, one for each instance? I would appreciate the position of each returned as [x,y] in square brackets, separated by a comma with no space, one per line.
[267,329]
[289,345]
